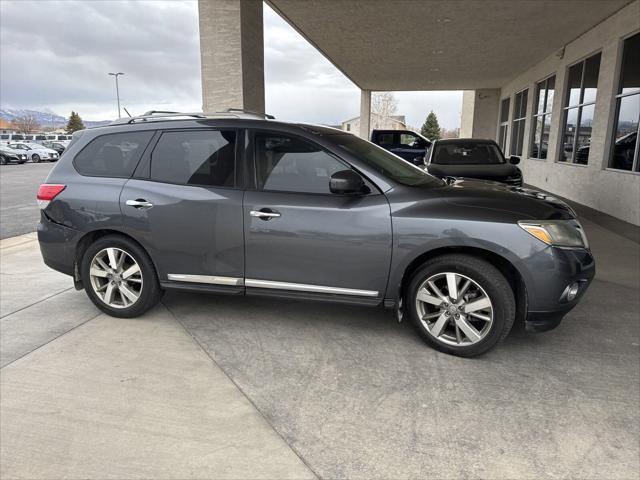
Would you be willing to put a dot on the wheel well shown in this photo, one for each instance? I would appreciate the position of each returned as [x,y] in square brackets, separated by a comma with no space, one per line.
[502,264]
[87,240]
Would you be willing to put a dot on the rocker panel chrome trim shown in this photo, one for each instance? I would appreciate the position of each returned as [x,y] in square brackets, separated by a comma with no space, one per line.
[212,279]
[301,287]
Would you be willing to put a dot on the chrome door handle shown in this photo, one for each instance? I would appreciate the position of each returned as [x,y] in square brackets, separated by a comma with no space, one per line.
[263,215]
[139,203]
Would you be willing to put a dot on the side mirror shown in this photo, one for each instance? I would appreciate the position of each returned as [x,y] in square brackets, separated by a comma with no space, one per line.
[513,160]
[418,161]
[346,182]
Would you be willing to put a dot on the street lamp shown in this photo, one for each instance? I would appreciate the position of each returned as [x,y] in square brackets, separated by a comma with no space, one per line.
[117,90]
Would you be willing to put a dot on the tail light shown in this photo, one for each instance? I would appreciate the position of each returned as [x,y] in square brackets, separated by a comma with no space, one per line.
[47,192]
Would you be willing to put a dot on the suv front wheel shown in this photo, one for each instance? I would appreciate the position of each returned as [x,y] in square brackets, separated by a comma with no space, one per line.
[119,277]
[460,304]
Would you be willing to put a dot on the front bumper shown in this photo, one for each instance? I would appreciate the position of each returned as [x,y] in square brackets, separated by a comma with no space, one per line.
[548,296]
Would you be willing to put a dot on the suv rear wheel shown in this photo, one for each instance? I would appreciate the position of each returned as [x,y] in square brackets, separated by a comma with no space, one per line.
[119,277]
[460,304]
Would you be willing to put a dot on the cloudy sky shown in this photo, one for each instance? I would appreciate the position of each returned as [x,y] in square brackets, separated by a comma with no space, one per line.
[55,56]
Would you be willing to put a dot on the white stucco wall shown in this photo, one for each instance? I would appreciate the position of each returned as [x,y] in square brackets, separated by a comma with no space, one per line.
[614,192]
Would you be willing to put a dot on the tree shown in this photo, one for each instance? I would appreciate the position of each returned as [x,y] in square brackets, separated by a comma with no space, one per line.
[431,127]
[383,105]
[75,123]
[26,124]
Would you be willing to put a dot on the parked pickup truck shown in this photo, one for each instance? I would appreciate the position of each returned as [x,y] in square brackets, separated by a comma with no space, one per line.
[406,144]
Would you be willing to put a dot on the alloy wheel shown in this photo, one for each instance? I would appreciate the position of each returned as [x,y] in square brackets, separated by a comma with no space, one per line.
[116,277]
[454,309]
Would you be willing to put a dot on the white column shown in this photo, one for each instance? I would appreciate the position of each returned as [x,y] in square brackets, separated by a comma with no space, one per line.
[480,110]
[365,114]
[232,54]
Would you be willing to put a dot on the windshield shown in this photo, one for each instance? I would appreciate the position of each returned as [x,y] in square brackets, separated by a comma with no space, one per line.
[384,162]
[470,153]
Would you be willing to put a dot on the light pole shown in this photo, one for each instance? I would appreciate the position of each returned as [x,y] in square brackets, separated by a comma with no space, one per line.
[117,90]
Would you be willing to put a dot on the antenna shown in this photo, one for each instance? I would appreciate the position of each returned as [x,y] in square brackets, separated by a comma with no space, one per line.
[125,109]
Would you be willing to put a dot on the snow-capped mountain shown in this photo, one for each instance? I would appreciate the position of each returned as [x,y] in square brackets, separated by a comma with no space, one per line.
[46,119]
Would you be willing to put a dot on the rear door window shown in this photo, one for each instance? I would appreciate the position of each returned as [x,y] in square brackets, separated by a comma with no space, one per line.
[112,155]
[197,157]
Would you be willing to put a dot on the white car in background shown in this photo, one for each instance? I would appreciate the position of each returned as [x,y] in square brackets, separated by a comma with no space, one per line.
[36,152]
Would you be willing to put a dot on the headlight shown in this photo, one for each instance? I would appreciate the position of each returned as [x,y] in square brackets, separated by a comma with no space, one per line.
[559,233]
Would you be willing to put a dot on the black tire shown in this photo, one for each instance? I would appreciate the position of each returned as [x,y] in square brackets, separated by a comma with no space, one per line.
[3,161]
[35,158]
[151,292]
[488,278]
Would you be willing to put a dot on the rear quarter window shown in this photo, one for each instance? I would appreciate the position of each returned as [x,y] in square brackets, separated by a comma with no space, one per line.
[112,155]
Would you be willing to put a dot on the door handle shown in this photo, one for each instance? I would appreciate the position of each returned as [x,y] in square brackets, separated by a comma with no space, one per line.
[139,203]
[264,214]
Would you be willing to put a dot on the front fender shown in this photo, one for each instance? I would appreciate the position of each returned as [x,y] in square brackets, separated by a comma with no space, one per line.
[421,238]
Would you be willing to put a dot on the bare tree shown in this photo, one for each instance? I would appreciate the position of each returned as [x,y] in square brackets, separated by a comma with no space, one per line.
[383,105]
[451,133]
[26,124]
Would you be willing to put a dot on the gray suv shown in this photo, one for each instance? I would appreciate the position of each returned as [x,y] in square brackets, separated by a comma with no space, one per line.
[241,204]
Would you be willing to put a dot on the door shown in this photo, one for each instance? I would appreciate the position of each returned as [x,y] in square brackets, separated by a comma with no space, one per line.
[301,237]
[187,212]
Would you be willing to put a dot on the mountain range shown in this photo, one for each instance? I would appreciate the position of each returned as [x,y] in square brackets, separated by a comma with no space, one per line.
[46,119]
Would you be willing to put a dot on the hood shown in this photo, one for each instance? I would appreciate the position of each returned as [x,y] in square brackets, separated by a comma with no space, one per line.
[524,203]
[495,171]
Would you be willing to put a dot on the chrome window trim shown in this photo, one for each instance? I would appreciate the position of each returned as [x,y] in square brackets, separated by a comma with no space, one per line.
[301,287]
[211,279]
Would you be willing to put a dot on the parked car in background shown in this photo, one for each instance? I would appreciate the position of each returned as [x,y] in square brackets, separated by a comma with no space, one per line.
[406,144]
[36,152]
[11,137]
[236,203]
[11,155]
[472,158]
[58,146]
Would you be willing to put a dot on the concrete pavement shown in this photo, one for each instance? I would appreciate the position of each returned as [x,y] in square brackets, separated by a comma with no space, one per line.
[229,387]
[84,395]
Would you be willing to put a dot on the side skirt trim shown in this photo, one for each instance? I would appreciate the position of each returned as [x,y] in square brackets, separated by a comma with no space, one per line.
[251,282]
[214,280]
[301,287]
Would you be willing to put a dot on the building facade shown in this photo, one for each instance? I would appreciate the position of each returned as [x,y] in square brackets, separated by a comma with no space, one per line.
[573,118]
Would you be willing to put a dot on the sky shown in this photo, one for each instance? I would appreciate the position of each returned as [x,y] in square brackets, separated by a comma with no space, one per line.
[55,56]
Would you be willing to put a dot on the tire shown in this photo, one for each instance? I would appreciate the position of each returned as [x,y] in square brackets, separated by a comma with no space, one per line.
[149,293]
[438,324]
[35,158]
[3,161]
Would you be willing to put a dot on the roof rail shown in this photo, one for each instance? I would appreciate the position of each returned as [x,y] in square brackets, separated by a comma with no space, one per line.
[250,112]
[163,115]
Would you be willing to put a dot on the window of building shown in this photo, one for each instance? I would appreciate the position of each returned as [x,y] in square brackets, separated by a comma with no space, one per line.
[519,117]
[542,118]
[197,157]
[582,86]
[112,155]
[348,127]
[290,164]
[625,143]
[504,124]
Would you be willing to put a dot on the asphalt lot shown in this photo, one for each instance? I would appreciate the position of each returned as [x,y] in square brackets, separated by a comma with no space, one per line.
[19,212]
[208,386]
